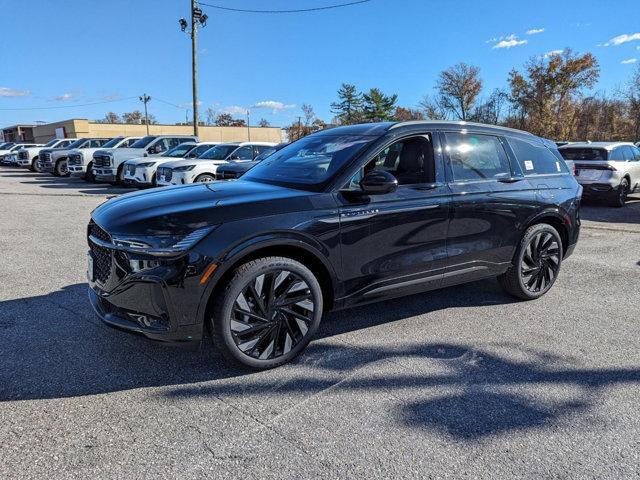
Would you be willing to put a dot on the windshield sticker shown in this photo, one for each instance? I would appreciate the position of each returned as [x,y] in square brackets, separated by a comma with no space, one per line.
[528,164]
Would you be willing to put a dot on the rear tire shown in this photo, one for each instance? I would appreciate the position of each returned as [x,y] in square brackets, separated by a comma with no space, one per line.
[204,178]
[620,198]
[283,302]
[536,263]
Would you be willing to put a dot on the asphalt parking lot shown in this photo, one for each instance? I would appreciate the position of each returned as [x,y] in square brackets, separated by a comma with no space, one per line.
[458,383]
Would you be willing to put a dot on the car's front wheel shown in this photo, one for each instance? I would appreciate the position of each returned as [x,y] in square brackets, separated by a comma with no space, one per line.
[61,170]
[88,175]
[34,166]
[205,178]
[535,265]
[270,310]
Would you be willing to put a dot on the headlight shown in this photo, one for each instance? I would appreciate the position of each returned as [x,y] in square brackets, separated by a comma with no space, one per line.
[161,245]
[186,168]
[147,164]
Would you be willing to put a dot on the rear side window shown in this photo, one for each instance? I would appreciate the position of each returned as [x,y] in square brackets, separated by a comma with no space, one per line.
[583,153]
[627,153]
[476,157]
[616,155]
[535,158]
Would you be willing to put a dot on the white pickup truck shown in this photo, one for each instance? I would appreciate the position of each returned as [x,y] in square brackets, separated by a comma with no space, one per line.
[28,157]
[108,164]
[80,163]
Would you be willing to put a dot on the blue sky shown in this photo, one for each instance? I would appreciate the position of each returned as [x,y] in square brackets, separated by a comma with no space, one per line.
[70,52]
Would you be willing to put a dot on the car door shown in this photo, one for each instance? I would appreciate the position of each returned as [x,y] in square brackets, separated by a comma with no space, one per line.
[489,199]
[632,157]
[396,242]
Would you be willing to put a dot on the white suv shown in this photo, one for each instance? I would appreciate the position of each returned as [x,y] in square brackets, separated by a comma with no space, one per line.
[141,171]
[28,157]
[80,161]
[608,170]
[203,168]
[108,164]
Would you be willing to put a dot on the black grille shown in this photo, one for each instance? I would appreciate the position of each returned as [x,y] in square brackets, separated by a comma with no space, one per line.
[131,169]
[101,256]
[101,161]
[167,172]
[75,159]
[45,157]
[23,155]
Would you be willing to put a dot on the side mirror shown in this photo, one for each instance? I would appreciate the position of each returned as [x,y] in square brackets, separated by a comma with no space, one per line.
[378,182]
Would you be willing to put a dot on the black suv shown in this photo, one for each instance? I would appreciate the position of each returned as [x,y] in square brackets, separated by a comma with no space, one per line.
[342,217]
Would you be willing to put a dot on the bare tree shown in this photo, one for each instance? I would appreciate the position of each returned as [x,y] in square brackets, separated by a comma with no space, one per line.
[458,88]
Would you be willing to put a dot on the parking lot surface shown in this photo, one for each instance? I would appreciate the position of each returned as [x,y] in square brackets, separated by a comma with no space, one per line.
[458,383]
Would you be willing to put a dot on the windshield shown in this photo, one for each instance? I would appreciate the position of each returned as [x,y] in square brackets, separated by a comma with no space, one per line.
[309,161]
[267,152]
[77,143]
[143,142]
[219,152]
[51,143]
[113,142]
[583,153]
[178,151]
[7,145]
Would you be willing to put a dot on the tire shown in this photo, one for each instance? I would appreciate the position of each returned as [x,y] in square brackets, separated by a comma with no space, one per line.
[279,330]
[119,176]
[536,263]
[34,166]
[204,178]
[60,170]
[88,175]
[620,197]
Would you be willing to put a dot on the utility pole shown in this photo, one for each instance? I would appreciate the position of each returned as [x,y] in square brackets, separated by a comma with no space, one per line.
[197,18]
[248,127]
[145,99]
[299,128]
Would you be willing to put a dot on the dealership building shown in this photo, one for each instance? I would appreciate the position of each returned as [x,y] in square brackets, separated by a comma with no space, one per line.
[78,128]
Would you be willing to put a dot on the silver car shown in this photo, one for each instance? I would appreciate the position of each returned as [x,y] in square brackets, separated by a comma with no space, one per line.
[606,170]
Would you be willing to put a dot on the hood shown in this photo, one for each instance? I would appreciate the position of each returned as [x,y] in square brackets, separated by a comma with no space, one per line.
[181,209]
[193,161]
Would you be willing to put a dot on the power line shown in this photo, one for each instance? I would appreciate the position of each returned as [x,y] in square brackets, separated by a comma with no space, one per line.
[172,104]
[68,106]
[301,10]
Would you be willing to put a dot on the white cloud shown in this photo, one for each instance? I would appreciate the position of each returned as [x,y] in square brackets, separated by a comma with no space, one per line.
[552,53]
[533,31]
[509,41]
[276,107]
[12,92]
[624,38]
[234,110]
[65,97]
[628,61]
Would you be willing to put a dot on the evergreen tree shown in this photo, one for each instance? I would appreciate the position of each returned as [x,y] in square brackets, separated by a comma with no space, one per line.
[379,107]
[348,109]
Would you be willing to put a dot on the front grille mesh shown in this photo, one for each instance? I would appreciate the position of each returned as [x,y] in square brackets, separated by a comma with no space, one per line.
[101,256]
[75,159]
[45,157]
[101,161]
[167,172]
[23,155]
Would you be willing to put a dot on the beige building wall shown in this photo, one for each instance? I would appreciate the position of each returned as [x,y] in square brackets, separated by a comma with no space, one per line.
[76,128]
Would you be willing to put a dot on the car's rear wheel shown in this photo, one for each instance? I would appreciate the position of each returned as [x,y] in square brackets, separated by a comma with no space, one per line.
[205,178]
[89,176]
[270,310]
[620,197]
[61,170]
[535,265]
[34,166]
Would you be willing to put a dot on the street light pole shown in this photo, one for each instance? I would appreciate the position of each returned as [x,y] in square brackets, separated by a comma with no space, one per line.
[194,65]
[248,127]
[145,99]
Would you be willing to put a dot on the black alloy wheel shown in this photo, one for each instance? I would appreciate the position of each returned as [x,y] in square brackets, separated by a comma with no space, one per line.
[540,262]
[269,313]
[536,263]
[620,196]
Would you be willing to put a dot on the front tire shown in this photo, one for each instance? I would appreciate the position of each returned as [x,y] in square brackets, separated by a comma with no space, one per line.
[268,313]
[34,166]
[204,178]
[60,170]
[88,175]
[536,263]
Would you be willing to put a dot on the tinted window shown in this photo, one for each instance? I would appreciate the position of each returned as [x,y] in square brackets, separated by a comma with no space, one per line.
[627,153]
[143,142]
[535,158]
[128,143]
[178,151]
[199,150]
[112,143]
[476,157]
[616,155]
[243,153]
[573,153]
[219,152]
[265,153]
[636,153]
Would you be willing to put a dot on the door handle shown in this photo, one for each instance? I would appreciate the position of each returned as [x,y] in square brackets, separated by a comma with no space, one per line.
[510,179]
[429,186]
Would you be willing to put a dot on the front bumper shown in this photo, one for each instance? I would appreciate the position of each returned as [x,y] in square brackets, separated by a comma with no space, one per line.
[77,170]
[181,178]
[46,166]
[105,174]
[143,177]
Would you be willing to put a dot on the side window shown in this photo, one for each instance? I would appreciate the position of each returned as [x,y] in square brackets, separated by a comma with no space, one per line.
[636,153]
[160,146]
[200,149]
[184,140]
[258,149]
[536,159]
[97,143]
[127,143]
[627,153]
[243,153]
[476,157]
[86,144]
[616,155]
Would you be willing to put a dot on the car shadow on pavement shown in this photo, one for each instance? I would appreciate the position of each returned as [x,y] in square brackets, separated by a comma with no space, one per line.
[597,211]
[78,185]
[52,346]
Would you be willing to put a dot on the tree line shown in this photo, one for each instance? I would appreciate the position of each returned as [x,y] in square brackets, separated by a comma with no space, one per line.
[548,97]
